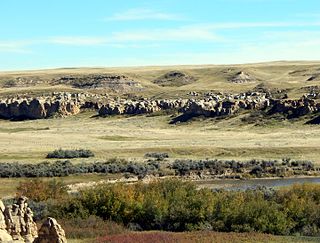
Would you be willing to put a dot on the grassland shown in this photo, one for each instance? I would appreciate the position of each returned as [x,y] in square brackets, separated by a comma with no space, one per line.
[132,137]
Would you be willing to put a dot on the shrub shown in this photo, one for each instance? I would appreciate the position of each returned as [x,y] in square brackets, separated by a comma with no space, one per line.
[40,190]
[69,154]
[157,155]
[65,168]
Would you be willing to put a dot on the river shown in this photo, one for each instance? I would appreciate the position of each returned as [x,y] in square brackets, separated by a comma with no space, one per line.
[232,184]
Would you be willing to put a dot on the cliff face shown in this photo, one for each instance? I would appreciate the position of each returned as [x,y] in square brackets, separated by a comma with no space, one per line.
[38,107]
[214,105]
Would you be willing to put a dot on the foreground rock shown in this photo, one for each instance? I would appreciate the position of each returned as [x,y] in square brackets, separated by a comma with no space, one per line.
[17,225]
[16,222]
[51,232]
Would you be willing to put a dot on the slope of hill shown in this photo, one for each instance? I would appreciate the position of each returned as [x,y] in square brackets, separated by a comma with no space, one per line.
[293,76]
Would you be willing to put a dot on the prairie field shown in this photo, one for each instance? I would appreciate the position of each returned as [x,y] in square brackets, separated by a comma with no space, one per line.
[131,137]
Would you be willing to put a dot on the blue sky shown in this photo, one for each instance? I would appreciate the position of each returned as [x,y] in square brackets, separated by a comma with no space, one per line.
[37,34]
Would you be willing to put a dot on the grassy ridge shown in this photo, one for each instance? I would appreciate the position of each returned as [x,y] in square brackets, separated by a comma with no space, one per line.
[282,75]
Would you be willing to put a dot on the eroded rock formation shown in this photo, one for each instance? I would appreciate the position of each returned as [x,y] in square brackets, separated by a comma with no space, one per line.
[208,104]
[51,232]
[295,108]
[16,222]
[57,104]
[139,107]
[17,225]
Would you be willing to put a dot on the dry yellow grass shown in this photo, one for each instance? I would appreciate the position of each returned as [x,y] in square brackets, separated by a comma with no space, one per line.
[131,137]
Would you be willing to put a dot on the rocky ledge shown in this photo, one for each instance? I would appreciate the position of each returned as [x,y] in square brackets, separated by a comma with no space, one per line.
[56,104]
[212,105]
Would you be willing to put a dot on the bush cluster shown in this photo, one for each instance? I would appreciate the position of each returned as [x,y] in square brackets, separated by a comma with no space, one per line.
[157,155]
[69,154]
[256,168]
[173,205]
[65,168]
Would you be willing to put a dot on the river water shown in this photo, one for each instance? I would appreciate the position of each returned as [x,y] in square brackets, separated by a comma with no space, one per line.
[232,184]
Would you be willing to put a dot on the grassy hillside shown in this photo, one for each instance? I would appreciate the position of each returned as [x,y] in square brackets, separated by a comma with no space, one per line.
[281,75]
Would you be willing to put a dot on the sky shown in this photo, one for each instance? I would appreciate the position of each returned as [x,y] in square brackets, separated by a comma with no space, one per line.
[37,34]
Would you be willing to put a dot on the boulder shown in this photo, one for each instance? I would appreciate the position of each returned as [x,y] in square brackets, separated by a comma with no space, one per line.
[51,232]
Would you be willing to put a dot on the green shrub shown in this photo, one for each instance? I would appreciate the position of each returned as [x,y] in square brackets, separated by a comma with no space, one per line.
[173,205]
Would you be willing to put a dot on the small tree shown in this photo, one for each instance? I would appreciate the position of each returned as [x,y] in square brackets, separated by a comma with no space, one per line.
[39,190]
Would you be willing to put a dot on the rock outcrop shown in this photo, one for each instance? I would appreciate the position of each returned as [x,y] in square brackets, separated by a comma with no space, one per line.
[17,225]
[114,82]
[213,105]
[294,108]
[37,108]
[130,107]
[57,104]
[208,104]
[51,232]
[4,235]
[242,77]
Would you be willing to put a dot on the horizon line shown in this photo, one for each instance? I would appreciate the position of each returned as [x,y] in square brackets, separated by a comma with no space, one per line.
[156,66]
